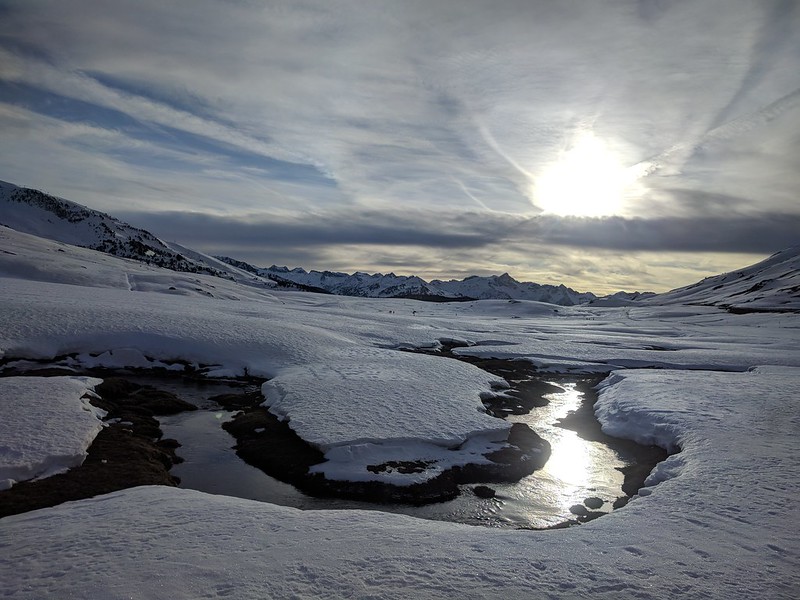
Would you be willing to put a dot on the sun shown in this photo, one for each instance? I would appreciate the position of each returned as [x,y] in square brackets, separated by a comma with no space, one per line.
[588,180]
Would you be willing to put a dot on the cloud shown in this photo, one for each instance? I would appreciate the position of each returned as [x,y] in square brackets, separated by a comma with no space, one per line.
[600,255]
[402,127]
[474,231]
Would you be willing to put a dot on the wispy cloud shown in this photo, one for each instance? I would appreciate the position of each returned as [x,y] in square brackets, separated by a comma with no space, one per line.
[377,118]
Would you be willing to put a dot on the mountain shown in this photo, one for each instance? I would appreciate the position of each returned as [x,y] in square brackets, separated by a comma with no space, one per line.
[504,286]
[773,285]
[621,299]
[36,213]
[390,285]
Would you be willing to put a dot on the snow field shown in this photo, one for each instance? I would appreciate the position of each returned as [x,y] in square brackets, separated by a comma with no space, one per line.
[46,427]
[719,524]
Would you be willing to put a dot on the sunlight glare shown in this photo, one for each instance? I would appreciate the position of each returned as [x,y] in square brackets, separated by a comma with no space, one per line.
[569,461]
[588,180]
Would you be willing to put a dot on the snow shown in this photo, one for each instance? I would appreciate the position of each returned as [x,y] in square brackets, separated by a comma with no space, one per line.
[772,285]
[349,462]
[404,385]
[25,256]
[715,520]
[378,285]
[46,427]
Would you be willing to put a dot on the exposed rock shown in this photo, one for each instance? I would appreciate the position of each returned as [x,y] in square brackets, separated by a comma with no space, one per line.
[590,516]
[483,491]
[405,467]
[620,502]
[594,502]
[579,509]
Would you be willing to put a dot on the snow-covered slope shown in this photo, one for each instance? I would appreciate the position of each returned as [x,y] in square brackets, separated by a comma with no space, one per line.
[506,287]
[25,256]
[714,521]
[773,285]
[378,285]
[34,212]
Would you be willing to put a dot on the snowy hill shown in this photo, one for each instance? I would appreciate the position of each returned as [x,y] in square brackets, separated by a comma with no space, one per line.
[31,211]
[378,285]
[773,285]
[30,257]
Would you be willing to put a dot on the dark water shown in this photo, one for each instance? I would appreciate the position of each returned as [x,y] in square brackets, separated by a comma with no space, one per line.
[576,470]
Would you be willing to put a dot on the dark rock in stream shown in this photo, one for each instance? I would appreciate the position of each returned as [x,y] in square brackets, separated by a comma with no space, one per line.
[484,491]
[594,502]
[620,502]
[579,510]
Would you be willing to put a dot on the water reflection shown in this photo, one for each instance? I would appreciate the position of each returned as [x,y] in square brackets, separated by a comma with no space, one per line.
[577,470]
[571,460]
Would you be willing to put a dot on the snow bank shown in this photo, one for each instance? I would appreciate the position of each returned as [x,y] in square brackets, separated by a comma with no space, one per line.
[367,408]
[709,417]
[383,395]
[47,425]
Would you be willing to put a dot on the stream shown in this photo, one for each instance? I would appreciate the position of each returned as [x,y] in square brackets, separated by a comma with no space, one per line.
[577,469]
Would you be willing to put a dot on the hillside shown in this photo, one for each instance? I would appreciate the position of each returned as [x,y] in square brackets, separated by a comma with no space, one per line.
[773,285]
[37,213]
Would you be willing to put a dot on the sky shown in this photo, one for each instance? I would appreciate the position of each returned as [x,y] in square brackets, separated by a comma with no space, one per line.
[617,144]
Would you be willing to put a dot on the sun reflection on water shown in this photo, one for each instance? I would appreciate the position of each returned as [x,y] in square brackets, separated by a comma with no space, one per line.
[577,469]
[570,461]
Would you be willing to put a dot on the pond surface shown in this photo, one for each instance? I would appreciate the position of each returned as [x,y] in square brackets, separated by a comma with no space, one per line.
[577,469]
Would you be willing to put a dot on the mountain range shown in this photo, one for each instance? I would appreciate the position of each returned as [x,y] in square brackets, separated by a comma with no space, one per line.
[378,285]
[771,285]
